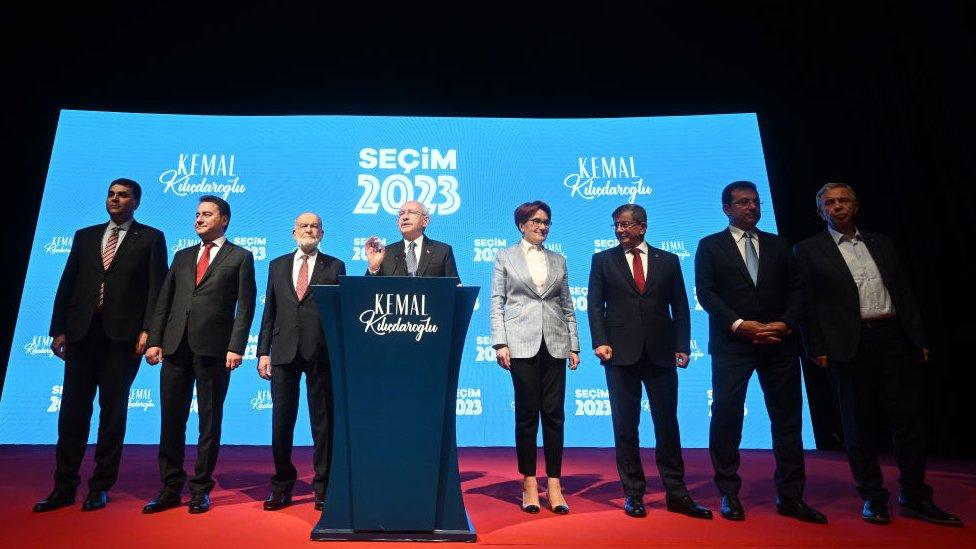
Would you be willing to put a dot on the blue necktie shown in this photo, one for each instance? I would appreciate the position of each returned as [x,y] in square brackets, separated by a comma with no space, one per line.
[752,258]
[412,259]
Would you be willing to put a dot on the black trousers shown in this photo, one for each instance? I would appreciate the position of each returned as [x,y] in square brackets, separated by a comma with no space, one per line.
[883,370]
[540,390]
[285,380]
[779,377]
[110,366]
[179,373]
[624,385]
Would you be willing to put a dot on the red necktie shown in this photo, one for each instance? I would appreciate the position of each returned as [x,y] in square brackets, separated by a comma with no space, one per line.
[638,270]
[108,253]
[302,285]
[204,261]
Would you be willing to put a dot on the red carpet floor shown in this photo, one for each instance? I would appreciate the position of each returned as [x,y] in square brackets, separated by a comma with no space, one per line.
[491,491]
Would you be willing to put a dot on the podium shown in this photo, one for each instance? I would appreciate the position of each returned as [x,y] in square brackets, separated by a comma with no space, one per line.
[395,346]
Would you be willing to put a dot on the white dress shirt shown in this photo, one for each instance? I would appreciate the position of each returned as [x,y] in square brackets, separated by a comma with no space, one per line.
[213,249]
[536,259]
[417,249]
[740,242]
[642,257]
[296,265]
[123,230]
[871,292]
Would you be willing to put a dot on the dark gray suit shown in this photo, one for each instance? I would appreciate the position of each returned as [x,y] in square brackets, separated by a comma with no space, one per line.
[871,361]
[728,293]
[291,335]
[100,348]
[196,325]
[645,330]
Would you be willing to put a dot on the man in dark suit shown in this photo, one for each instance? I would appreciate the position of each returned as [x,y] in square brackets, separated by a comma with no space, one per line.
[640,326]
[291,343]
[101,319]
[200,326]
[862,322]
[415,255]
[747,281]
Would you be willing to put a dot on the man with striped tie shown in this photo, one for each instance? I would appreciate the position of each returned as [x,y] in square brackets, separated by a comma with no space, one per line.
[100,324]
[291,343]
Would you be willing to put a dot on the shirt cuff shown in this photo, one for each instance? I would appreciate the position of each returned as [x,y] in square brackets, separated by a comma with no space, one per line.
[735,325]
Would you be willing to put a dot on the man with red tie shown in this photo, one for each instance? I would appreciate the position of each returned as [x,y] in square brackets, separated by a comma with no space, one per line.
[641,330]
[200,328]
[99,328]
[291,343]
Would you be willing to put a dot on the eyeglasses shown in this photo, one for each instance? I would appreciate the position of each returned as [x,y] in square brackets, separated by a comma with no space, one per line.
[625,224]
[538,222]
[403,213]
[743,202]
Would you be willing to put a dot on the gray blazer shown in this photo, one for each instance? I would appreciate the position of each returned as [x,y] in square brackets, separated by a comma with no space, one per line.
[521,316]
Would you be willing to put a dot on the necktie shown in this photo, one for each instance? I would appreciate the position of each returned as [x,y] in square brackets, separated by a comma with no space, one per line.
[638,270]
[204,261]
[752,258]
[412,259]
[107,255]
[302,285]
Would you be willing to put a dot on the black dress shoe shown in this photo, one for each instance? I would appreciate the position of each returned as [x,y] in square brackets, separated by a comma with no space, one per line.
[277,501]
[634,507]
[799,510]
[928,511]
[199,503]
[166,499]
[96,500]
[57,500]
[687,506]
[875,512]
[319,501]
[731,508]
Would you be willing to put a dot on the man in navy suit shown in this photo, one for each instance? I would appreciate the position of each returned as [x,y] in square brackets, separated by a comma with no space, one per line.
[863,323]
[640,326]
[200,326]
[291,343]
[100,324]
[747,281]
[415,255]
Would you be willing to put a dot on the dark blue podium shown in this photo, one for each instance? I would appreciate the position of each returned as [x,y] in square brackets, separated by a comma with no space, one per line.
[395,345]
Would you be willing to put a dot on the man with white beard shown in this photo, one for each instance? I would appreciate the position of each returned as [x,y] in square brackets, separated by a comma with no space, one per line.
[291,342]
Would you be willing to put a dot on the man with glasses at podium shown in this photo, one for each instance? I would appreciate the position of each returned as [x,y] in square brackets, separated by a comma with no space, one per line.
[415,255]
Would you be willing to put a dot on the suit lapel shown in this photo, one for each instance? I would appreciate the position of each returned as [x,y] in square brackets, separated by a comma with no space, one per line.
[287,274]
[764,259]
[619,260]
[318,274]
[731,249]
[521,267]
[222,253]
[132,235]
[96,246]
[831,251]
[551,275]
[425,255]
[654,266]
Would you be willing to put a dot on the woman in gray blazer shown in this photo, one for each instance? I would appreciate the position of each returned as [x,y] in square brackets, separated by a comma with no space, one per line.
[533,331]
